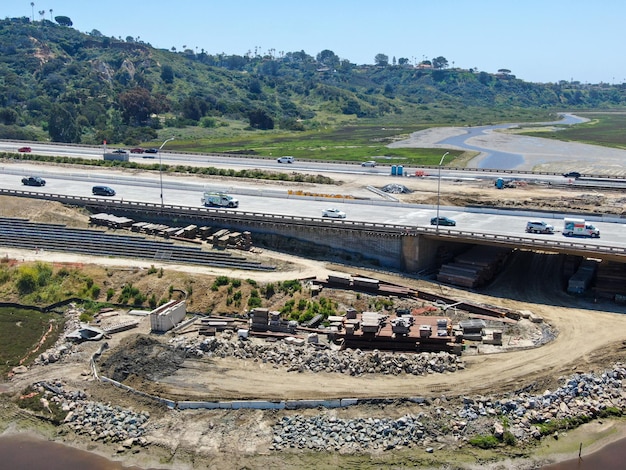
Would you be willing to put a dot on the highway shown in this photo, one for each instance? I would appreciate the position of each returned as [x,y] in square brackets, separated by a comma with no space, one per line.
[308,166]
[186,191]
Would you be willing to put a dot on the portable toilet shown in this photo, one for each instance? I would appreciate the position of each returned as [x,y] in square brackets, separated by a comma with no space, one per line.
[400,170]
[499,183]
[393,170]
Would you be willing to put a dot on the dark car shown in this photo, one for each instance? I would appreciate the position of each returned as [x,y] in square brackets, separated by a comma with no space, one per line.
[443,221]
[572,174]
[137,150]
[119,151]
[33,181]
[152,150]
[24,149]
[102,191]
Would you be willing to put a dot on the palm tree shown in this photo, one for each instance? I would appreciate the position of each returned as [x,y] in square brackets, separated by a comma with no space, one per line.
[42,13]
[32,6]
[50,14]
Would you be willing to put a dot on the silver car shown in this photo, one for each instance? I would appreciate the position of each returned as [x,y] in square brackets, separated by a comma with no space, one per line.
[538,226]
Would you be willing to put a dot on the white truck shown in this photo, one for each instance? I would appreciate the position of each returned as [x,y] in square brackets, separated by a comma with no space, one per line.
[211,199]
[579,228]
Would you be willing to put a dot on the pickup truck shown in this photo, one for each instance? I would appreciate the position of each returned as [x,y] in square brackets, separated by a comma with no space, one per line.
[219,200]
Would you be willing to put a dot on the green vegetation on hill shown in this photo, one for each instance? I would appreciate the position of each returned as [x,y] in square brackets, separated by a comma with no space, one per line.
[68,86]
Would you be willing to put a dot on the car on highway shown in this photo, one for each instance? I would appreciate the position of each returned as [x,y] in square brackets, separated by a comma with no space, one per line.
[102,191]
[137,150]
[285,159]
[443,221]
[24,150]
[538,226]
[33,181]
[119,151]
[152,150]
[370,163]
[333,213]
[572,174]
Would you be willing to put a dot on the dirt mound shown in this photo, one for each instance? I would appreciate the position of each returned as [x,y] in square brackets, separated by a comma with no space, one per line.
[141,356]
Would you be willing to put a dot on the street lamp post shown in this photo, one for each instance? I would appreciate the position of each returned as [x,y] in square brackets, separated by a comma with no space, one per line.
[161,169]
[439,188]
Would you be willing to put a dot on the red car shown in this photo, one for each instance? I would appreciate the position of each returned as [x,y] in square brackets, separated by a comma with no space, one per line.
[137,150]
[24,149]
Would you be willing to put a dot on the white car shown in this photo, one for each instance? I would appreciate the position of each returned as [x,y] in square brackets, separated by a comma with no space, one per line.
[285,159]
[371,163]
[334,213]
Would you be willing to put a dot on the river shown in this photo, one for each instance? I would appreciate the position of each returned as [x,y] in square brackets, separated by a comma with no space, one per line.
[494,159]
[23,451]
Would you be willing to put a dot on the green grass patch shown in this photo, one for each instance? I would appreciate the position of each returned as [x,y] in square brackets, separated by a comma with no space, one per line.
[20,332]
[485,441]
[606,129]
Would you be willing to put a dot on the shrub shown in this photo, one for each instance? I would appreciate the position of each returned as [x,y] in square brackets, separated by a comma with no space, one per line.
[484,442]
[25,282]
[95,292]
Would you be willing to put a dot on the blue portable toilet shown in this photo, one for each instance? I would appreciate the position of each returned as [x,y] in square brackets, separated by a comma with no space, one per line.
[400,170]
[499,183]
[393,170]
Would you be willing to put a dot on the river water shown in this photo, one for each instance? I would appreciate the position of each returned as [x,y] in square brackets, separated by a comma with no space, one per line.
[22,451]
[493,159]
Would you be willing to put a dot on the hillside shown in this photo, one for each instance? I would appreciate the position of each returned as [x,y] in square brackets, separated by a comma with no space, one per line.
[68,86]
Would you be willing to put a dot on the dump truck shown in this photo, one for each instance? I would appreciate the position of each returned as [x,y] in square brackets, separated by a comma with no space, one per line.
[210,199]
[579,228]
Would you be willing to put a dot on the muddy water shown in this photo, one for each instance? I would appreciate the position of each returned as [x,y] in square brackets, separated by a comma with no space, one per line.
[611,457]
[21,451]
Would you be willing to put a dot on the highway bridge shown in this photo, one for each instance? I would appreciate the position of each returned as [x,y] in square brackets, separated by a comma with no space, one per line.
[403,247]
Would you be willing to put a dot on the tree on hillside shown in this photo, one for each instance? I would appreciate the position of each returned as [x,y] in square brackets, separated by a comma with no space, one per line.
[62,125]
[504,71]
[167,74]
[63,20]
[328,58]
[137,105]
[381,60]
[440,62]
[403,61]
[259,119]
[8,116]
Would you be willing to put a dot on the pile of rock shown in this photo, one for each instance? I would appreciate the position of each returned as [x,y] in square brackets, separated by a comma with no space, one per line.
[311,358]
[582,395]
[100,421]
[440,421]
[107,423]
[396,189]
[324,433]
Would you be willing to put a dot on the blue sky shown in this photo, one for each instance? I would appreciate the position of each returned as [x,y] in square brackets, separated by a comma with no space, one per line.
[538,40]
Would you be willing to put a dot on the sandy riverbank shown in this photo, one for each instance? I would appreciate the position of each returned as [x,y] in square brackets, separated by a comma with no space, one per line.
[537,154]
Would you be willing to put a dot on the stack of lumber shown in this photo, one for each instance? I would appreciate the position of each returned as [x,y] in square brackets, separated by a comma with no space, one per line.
[610,280]
[475,267]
